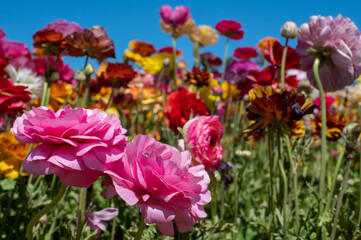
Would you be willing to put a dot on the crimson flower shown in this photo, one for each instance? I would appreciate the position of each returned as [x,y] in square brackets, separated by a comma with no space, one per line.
[116,75]
[211,59]
[245,52]
[230,29]
[12,98]
[170,50]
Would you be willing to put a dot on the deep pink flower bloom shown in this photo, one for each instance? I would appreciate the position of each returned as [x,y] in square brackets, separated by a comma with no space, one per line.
[94,219]
[337,42]
[202,136]
[158,178]
[2,33]
[245,52]
[230,28]
[176,18]
[77,144]
[65,72]
[64,27]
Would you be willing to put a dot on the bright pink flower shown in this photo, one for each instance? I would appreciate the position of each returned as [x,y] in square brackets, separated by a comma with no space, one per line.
[245,52]
[65,72]
[158,178]
[230,29]
[176,18]
[202,136]
[337,43]
[2,33]
[64,27]
[77,144]
[94,219]
[12,98]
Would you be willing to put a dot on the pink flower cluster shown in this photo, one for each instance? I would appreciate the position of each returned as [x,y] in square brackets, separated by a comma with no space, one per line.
[77,144]
[159,180]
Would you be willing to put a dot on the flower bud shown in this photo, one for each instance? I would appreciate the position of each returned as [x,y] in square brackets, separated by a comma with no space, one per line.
[54,77]
[166,63]
[289,30]
[89,69]
[79,76]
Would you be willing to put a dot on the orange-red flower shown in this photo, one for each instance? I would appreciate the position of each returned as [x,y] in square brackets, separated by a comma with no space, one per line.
[179,106]
[335,123]
[199,78]
[116,75]
[275,110]
[93,42]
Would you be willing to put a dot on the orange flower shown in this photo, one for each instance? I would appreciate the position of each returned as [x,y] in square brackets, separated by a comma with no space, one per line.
[335,124]
[266,42]
[276,110]
[199,78]
[116,75]
[50,41]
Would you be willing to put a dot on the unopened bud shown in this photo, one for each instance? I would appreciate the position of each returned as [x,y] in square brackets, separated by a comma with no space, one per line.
[54,77]
[43,219]
[79,76]
[289,30]
[89,69]
[166,63]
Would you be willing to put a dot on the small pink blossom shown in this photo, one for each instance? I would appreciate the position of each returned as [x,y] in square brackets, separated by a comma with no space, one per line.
[159,180]
[77,144]
[64,27]
[202,136]
[66,74]
[176,18]
[94,219]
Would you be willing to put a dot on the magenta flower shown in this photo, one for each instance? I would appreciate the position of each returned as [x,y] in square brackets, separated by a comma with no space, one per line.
[77,144]
[159,179]
[230,29]
[66,74]
[237,71]
[64,27]
[202,137]
[337,43]
[94,219]
[176,18]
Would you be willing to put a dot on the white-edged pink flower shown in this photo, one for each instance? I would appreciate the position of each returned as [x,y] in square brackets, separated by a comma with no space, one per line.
[159,180]
[77,144]
[202,137]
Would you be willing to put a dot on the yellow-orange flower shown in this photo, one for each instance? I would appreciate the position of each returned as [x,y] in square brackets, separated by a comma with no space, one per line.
[229,90]
[335,124]
[210,99]
[264,42]
[154,64]
[138,50]
[12,154]
[204,35]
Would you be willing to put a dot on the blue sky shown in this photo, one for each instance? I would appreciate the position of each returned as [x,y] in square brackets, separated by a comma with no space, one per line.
[129,20]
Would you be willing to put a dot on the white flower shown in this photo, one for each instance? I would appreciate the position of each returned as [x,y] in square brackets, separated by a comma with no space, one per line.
[27,78]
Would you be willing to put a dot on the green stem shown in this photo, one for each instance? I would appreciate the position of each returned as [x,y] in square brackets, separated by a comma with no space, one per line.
[339,199]
[78,95]
[271,201]
[141,227]
[174,63]
[334,179]
[109,99]
[283,64]
[35,219]
[225,61]
[316,65]
[45,88]
[87,90]
[285,187]
[196,54]
[81,212]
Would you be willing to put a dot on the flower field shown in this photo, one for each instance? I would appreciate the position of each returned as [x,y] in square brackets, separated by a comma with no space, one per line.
[263,143]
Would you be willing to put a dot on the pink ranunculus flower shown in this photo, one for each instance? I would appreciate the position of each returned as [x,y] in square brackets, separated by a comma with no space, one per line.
[94,219]
[64,27]
[77,144]
[176,18]
[159,180]
[337,43]
[202,137]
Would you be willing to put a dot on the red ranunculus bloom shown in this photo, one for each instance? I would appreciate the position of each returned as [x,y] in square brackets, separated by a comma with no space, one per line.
[179,106]
[245,52]
[12,98]
[116,75]
[230,29]
[170,50]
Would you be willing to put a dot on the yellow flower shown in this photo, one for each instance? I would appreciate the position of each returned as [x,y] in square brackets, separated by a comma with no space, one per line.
[12,154]
[187,28]
[233,90]
[154,64]
[139,50]
[204,35]
[205,93]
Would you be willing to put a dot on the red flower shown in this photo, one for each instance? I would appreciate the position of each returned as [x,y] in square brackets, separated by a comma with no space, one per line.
[12,98]
[116,75]
[210,59]
[230,28]
[245,52]
[179,106]
[170,50]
